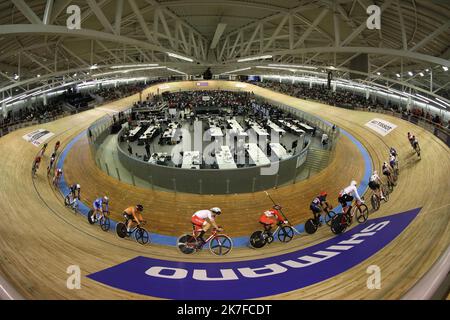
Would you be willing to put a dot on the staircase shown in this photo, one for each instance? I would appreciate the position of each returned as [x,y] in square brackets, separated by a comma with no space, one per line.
[316,160]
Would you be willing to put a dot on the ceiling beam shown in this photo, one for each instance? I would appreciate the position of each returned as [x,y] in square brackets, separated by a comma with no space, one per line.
[26,11]
[100,15]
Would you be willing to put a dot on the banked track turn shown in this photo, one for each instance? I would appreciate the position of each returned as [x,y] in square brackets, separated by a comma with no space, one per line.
[40,238]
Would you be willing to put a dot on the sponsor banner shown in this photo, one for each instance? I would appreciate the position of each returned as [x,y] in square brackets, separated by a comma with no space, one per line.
[38,137]
[256,278]
[202,84]
[381,126]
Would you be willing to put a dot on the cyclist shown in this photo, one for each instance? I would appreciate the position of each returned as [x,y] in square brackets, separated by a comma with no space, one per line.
[374,184]
[57,144]
[133,214]
[348,194]
[393,152]
[410,138]
[98,208]
[75,191]
[271,217]
[199,219]
[318,205]
[392,161]
[52,162]
[387,171]
[43,149]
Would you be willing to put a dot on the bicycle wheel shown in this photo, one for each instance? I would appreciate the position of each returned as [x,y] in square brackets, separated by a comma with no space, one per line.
[141,235]
[105,223]
[221,245]
[121,230]
[257,239]
[285,234]
[390,186]
[339,223]
[310,226]
[375,202]
[89,217]
[187,244]
[362,213]
[329,216]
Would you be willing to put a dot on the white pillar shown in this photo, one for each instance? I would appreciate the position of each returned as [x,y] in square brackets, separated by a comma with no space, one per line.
[45,99]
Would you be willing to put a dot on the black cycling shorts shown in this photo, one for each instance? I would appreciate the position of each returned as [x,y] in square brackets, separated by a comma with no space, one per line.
[387,173]
[374,185]
[128,216]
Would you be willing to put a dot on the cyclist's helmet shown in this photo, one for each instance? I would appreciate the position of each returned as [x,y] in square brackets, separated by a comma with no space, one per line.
[375,172]
[216,210]
[59,170]
[140,207]
[106,199]
[353,183]
[323,194]
[78,187]
[277,207]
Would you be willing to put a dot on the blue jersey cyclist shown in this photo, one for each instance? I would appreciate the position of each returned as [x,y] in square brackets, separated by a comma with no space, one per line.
[100,207]
[318,205]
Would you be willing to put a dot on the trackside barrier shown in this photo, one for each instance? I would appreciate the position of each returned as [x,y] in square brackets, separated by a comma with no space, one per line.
[435,284]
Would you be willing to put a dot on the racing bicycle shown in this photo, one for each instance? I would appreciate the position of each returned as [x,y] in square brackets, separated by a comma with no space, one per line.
[375,200]
[311,225]
[342,221]
[140,234]
[105,222]
[259,238]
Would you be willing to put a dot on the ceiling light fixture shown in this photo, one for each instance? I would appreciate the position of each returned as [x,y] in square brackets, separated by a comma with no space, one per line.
[174,55]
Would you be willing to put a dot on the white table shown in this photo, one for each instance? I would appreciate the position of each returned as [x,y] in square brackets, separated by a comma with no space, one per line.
[305,126]
[149,132]
[279,150]
[275,127]
[134,131]
[291,126]
[191,160]
[256,154]
[225,159]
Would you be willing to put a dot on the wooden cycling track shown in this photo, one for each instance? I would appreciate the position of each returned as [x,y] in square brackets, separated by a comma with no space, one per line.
[40,238]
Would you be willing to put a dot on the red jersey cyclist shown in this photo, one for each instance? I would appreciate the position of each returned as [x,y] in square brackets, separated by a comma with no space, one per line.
[348,194]
[36,163]
[200,220]
[318,205]
[271,217]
